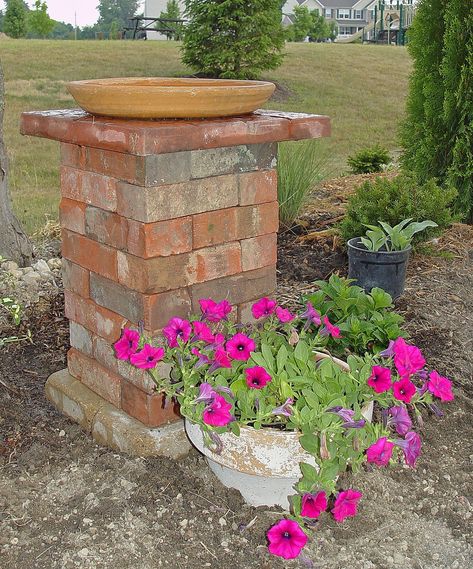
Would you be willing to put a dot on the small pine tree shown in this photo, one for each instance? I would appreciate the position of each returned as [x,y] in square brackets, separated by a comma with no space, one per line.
[14,22]
[172,12]
[233,39]
[39,21]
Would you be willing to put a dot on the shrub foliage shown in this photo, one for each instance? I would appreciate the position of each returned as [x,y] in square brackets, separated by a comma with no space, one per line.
[397,199]
[233,39]
[369,160]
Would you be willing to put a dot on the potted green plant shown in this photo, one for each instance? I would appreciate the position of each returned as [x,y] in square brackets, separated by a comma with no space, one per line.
[277,424]
[380,258]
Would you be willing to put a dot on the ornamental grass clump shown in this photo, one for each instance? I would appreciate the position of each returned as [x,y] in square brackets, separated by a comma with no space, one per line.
[226,376]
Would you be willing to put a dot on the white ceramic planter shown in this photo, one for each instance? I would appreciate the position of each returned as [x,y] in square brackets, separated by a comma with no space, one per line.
[262,464]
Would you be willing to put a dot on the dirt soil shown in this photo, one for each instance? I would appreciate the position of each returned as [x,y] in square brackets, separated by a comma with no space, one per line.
[67,503]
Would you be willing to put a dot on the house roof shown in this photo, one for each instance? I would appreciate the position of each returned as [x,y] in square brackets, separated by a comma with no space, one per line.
[359,4]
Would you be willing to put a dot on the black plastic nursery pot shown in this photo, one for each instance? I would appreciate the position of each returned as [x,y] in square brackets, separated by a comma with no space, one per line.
[383,269]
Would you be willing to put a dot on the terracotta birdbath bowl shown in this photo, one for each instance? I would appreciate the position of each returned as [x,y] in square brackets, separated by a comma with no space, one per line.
[165,97]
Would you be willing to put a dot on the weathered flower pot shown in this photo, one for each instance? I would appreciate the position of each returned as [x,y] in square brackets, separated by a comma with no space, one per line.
[382,269]
[263,464]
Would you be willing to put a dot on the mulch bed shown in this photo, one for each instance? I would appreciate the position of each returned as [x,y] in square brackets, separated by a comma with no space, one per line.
[66,502]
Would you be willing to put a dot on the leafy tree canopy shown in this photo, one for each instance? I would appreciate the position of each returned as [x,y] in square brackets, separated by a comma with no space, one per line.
[118,11]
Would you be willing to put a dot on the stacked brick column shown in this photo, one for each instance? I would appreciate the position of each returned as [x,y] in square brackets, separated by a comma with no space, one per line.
[154,217]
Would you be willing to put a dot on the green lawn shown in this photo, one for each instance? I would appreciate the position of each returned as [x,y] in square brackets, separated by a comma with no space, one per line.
[362,88]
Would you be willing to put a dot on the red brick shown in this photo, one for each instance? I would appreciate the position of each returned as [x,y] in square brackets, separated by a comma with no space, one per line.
[213,227]
[72,215]
[258,220]
[106,227]
[159,308]
[213,262]
[149,409]
[89,254]
[90,188]
[99,379]
[159,239]
[75,278]
[258,187]
[259,252]
[99,320]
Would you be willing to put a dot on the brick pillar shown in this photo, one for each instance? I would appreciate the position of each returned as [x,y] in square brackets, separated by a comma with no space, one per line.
[156,215]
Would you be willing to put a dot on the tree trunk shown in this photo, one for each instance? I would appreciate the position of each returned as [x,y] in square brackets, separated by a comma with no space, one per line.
[14,244]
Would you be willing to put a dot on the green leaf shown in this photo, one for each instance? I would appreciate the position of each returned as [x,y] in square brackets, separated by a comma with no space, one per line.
[268,356]
[309,472]
[302,351]
[310,443]
[281,357]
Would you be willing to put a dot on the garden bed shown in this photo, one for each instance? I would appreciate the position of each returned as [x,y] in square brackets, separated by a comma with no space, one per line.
[66,502]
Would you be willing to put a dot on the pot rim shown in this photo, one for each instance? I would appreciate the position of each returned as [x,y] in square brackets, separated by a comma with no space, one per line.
[359,247]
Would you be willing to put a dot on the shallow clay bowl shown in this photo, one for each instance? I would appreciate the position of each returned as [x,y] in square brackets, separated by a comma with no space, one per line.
[165,97]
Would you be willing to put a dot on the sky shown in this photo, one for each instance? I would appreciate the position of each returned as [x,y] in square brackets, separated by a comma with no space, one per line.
[63,10]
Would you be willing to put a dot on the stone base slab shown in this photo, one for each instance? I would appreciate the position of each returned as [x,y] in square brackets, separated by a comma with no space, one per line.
[110,426]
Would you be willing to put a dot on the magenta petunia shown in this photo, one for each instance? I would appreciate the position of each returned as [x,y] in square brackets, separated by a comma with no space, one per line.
[215,311]
[313,505]
[411,446]
[147,358]
[127,344]
[346,504]
[380,452]
[202,332]
[380,379]
[286,539]
[440,386]
[399,418]
[284,315]
[257,377]
[206,394]
[407,359]
[203,359]
[221,359]
[329,329]
[311,315]
[177,328]
[264,307]
[218,413]
[404,390]
[239,347]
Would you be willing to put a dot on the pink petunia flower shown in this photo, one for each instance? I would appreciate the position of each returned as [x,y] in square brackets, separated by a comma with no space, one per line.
[257,377]
[313,505]
[346,504]
[347,416]
[380,379]
[147,358]
[206,394]
[404,390]
[388,352]
[380,452]
[311,315]
[177,328]
[218,413]
[329,329]
[411,446]
[221,359]
[203,359]
[264,307]
[286,539]
[127,344]
[239,347]
[215,311]
[407,359]
[202,333]
[284,315]
[440,386]
[399,418]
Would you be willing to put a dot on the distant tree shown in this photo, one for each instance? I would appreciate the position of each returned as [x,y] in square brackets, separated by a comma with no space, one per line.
[302,23]
[114,30]
[39,21]
[332,30]
[233,39]
[88,32]
[14,244]
[319,29]
[172,12]
[14,23]
[2,17]
[62,31]
[119,11]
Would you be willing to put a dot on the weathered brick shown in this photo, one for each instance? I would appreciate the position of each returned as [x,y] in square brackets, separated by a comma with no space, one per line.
[159,239]
[89,254]
[101,380]
[237,289]
[232,159]
[213,227]
[72,215]
[117,298]
[81,338]
[149,409]
[258,187]
[159,308]
[162,274]
[106,227]
[90,188]
[245,315]
[99,320]
[104,353]
[259,252]
[75,278]
[177,200]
